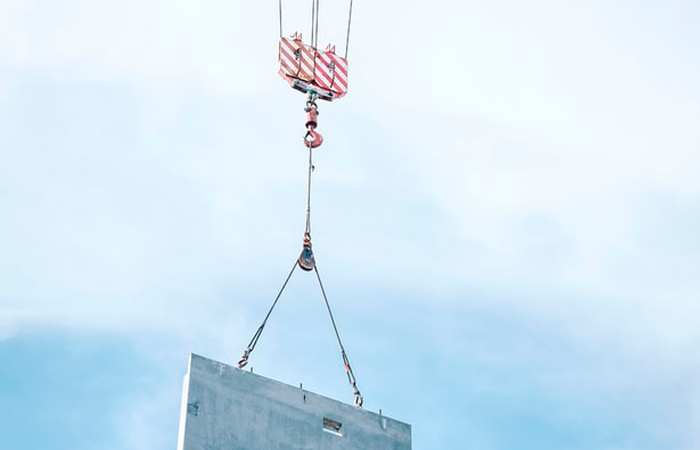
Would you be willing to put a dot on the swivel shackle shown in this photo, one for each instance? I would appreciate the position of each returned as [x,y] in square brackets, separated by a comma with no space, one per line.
[313,138]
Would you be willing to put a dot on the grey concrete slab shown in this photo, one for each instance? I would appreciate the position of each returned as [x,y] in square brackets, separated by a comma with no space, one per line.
[225,408]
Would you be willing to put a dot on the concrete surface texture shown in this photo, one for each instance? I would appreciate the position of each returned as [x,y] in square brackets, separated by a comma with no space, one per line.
[225,408]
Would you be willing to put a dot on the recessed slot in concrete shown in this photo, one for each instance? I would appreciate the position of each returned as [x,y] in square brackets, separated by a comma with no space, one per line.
[332,426]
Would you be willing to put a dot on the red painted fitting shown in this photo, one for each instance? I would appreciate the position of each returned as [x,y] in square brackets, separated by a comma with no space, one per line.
[311,117]
[313,139]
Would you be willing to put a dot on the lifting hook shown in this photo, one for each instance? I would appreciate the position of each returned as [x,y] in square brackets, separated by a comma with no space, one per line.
[313,138]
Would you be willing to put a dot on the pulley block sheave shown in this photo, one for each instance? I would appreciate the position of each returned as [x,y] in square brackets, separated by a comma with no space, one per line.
[306,259]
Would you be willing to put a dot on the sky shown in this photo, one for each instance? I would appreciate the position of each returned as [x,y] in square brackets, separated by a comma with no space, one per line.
[505,215]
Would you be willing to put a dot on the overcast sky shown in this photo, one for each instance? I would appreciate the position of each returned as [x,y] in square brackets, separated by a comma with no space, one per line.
[506,215]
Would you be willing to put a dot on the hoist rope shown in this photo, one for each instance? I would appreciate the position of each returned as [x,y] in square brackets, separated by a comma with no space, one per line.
[308,194]
[280,8]
[313,19]
[347,37]
[315,24]
[318,4]
[315,4]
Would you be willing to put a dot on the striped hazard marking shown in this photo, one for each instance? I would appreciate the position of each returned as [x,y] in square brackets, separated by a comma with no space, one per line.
[296,59]
[331,72]
[321,69]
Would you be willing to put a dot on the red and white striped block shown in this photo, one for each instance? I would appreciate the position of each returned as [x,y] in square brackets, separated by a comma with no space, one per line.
[320,71]
[331,72]
[296,59]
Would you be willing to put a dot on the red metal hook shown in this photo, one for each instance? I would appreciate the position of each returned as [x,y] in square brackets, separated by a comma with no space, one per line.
[313,138]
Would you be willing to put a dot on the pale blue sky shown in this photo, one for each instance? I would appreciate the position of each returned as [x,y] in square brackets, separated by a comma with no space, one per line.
[506,216]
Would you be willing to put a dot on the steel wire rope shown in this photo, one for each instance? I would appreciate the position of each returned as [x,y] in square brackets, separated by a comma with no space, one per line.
[315,4]
[254,341]
[280,9]
[308,193]
[343,354]
[313,20]
[347,37]
[318,4]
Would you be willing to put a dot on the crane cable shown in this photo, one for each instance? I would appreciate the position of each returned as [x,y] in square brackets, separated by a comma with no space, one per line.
[348,370]
[307,230]
[254,341]
[314,24]
[280,8]
[347,36]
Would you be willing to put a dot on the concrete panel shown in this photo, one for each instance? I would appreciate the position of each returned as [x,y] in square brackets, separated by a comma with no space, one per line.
[225,408]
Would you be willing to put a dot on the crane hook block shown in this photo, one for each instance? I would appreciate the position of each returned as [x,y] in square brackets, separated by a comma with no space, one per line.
[308,69]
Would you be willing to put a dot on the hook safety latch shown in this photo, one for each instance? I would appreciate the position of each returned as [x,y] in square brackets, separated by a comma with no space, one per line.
[313,138]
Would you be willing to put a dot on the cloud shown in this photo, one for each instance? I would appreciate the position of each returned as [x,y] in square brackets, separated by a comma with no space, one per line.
[153,44]
[8,325]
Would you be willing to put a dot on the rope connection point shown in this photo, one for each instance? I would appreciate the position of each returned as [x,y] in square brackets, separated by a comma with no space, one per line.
[306,260]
